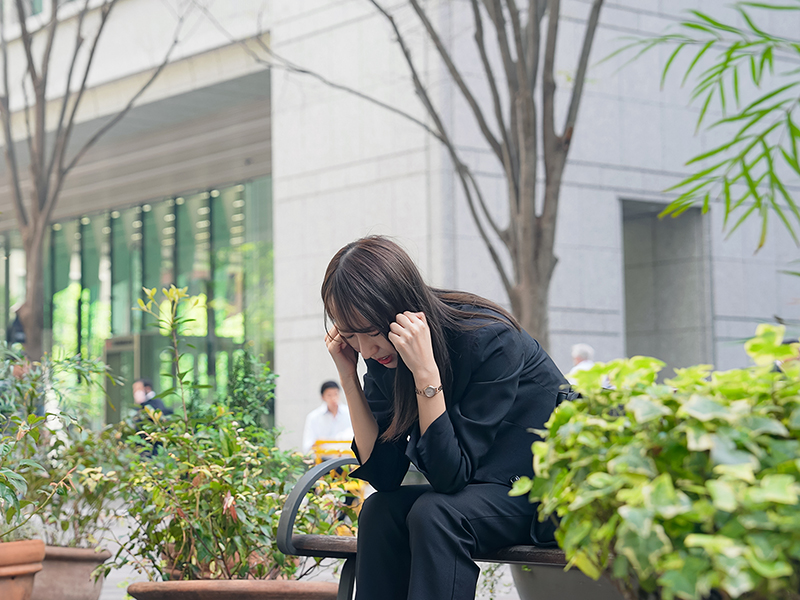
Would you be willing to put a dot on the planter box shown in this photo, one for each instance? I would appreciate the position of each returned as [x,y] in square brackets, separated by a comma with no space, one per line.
[19,562]
[241,589]
[67,574]
[540,582]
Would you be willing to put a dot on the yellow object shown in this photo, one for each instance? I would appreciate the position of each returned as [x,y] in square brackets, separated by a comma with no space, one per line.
[325,450]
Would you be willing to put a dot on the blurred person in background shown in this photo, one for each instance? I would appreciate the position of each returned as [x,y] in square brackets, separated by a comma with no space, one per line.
[329,422]
[582,360]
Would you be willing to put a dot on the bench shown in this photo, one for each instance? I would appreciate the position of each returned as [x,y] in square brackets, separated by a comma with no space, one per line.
[334,546]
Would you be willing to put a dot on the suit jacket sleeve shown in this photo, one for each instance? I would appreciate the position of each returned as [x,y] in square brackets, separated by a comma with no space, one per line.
[453,445]
[387,465]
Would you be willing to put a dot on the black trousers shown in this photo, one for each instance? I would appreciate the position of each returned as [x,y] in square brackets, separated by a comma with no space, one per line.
[416,544]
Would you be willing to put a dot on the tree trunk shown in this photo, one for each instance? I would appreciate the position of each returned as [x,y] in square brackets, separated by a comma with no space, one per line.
[31,313]
[529,306]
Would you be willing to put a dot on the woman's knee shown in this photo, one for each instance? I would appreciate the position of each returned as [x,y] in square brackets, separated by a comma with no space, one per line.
[431,511]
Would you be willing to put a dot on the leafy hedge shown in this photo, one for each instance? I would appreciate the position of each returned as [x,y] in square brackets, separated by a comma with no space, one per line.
[680,487]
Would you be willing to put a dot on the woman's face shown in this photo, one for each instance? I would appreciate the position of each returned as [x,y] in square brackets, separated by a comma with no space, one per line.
[371,344]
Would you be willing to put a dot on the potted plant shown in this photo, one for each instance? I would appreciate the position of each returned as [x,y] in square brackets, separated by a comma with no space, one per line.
[206,495]
[72,520]
[20,557]
[688,488]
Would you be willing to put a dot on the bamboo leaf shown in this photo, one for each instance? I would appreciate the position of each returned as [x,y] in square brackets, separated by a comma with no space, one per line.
[714,23]
[706,202]
[771,6]
[736,84]
[751,24]
[742,219]
[669,63]
[703,111]
[726,189]
[699,55]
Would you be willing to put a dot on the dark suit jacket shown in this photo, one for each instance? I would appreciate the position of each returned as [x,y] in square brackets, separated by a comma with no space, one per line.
[503,384]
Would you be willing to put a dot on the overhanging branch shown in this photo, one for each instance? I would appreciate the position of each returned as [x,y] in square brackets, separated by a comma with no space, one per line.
[580,74]
[287,65]
[461,169]
[459,80]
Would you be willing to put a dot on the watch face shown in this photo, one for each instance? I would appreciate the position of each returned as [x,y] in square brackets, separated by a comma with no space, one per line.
[430,391]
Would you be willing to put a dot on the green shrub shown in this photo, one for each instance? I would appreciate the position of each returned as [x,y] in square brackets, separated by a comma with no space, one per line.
[681,487]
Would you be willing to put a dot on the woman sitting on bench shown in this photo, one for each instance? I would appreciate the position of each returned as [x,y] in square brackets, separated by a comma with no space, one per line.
[453,385]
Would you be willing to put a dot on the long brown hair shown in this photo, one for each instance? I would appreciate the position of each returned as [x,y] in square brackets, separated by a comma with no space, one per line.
[373,279]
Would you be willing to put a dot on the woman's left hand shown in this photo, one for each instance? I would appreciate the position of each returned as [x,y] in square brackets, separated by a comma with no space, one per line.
[411,337]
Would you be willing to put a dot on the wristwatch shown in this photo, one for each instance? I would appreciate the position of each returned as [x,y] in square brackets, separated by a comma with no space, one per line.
[429,392]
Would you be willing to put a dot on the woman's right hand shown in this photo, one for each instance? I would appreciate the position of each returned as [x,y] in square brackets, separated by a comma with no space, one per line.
[344,356]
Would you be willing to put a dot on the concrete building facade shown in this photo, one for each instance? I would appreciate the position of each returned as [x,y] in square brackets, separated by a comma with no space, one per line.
[626,282]
[292,168]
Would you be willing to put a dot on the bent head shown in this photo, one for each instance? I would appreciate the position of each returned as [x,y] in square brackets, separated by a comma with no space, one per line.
[367,284]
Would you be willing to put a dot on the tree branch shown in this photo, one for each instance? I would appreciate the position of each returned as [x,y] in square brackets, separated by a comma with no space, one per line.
[580,75]
[51,35]
[10,150]
[460,167]
[119,116]
[26,39]
[533,42]
[549,82]
[58,146]
[508,156]
[459,80]
[26,109]
[495,12]
[287,65]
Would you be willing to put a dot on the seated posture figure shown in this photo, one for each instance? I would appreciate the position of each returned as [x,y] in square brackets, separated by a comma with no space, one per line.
[453,385]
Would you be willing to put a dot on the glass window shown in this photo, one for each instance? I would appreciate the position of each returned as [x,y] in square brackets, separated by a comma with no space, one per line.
[126,270]
[65,256]
[96,285]
[257,255]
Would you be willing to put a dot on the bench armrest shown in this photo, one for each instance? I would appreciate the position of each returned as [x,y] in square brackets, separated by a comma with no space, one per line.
[295,499]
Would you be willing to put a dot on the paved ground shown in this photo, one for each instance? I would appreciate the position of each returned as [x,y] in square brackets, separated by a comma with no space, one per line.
[114,587]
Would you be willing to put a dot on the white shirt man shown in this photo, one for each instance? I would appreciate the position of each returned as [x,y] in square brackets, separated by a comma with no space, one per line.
[329,422]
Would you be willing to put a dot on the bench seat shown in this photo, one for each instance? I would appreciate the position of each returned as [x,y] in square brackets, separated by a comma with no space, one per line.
[336,546]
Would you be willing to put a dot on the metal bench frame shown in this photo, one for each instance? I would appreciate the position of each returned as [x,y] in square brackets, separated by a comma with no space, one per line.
[334,546]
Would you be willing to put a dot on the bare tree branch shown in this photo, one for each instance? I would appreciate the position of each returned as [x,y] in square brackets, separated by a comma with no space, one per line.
[509,153]
[105,10]
[10,150]
[533,42]
[60,139]
[27,42]
[287,65]
[51,35]
[463,171]
[26,109]
[580,75]
[459,80]
[119,116]
[548,79]
[495,11]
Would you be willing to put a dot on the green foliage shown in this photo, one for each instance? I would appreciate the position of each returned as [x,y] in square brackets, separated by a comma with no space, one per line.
[251,390]
[751,170]
[684,486]
[14,497]
[89,462]
[39,472]
[206,504]
[205,492]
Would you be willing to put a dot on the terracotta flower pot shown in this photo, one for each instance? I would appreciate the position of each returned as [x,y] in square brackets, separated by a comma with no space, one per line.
[241,589]
[67,574]
[19,562]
